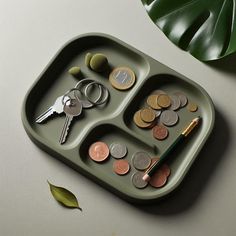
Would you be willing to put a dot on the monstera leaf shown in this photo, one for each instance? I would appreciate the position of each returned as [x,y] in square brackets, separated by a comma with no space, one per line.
[205,28]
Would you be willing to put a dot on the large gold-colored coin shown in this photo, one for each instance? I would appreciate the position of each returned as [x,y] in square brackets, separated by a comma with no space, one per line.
[147,115]
[163,100]
[122,78]
[192,107]
[152,102]
[139,122]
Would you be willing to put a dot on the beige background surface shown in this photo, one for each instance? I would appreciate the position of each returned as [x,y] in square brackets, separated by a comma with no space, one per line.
[31,33]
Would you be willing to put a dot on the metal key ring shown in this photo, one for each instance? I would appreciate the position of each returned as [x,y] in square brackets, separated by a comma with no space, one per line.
[67,95]
[87,103]
[82,81]
[63,101]
[100,85]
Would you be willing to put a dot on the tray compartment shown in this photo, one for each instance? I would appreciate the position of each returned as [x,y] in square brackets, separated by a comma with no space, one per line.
[55,81]
[182,159]
[110,133]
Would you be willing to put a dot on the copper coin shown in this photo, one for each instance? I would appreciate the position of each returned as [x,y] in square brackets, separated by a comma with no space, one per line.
[166,169]
[183,99]
[158,179]
[139,122]
[152,102]
[147,115]
[163,100]
[160,132]
[192,107]
[99,151]
[121,167]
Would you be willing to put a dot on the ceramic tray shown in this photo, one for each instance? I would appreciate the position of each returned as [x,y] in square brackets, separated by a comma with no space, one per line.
[114,122]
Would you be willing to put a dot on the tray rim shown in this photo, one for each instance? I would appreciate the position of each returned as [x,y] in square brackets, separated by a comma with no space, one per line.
[42,143]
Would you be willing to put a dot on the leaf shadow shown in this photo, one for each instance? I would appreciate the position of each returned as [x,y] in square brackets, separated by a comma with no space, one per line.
[193,185]
[226,64]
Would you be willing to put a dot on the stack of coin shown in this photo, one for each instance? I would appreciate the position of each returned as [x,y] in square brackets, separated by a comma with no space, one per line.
[160,177]
[100,152]
[158,180]
[161,112]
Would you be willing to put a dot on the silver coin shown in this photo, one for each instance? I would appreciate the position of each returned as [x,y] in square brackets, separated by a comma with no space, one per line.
[158,112]
[141,160]
[118,150]
[158,92]
[137,180]
[183,99]
[175,102]
[169,117]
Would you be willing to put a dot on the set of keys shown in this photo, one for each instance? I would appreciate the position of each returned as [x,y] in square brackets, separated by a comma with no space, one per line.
[73,107]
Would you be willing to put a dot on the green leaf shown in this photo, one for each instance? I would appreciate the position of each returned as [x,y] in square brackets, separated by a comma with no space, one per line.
[205,28]
[64,196]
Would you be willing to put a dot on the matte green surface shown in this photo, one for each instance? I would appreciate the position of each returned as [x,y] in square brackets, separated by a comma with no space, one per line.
[99,62]
[114,121]
[205,28]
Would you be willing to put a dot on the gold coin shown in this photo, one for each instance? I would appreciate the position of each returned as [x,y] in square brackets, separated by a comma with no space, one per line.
[192,107]
[163,100]
[139,122]
[122,78]
[147,115]
[152,101]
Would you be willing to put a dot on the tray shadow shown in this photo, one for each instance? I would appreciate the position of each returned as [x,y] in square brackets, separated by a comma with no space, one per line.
[187,194]
[227,64]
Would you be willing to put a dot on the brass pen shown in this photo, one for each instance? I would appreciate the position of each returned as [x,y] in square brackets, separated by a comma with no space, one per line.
[149,173]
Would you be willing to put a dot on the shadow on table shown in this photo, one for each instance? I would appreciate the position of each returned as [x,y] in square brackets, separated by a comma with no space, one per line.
[227,64]
[184,197]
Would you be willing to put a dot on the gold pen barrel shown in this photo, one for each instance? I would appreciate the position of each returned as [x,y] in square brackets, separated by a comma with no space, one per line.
[191,126]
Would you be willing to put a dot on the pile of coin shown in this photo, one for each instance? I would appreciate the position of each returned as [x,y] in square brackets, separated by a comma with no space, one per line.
[161,112]
[141,161]
[99,152]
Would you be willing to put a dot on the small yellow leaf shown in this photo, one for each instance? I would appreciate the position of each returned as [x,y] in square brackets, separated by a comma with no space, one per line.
[64,196]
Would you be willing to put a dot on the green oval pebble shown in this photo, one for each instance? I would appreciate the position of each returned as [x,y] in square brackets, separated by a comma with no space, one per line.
[98,62]
[87,59]
[75,70]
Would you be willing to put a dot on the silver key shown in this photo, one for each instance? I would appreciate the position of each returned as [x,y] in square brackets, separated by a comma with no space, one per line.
[72,108]
[57,107]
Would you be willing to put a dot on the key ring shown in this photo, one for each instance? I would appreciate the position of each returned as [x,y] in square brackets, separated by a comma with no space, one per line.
[88,103]
[63,101]
[66,95]
[105,98]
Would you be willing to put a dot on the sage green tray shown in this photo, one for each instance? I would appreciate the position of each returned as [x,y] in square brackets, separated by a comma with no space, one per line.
[114,122]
